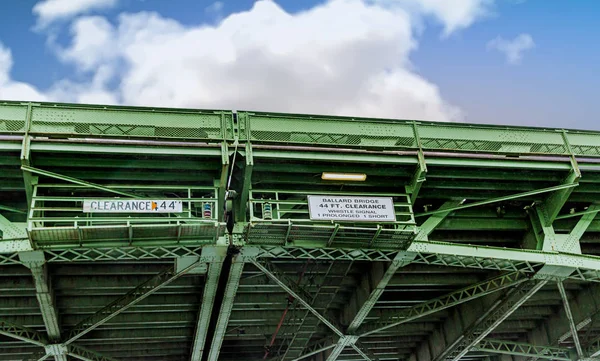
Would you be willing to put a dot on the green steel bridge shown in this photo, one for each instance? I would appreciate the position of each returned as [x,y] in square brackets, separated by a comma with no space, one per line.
[492,251]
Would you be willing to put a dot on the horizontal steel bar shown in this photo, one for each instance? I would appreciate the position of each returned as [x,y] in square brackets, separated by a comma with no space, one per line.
[499,199]
[76,181]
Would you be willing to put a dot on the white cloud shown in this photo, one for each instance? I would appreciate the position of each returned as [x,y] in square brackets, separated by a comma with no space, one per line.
[267,59]
[453,15]
[49,11]
[512,49]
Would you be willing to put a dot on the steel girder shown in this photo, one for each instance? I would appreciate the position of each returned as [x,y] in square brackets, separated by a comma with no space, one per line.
[593,348]
[572,326]
[452,299]
[523,349]
[22,333]
[295,291]
[493,317]
[121,304]
[76,181]
[233,282]
[301,296]
[292,348]
[427,252]
[59,349]
[206,308]
[45,295]
[377,284]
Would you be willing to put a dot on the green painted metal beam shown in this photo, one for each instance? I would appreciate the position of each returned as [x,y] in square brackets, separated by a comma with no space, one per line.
[22,333]
[36,262]
[296,344]
[577,214]
[523,349]
[295,291]
[572,326]
[428,252]
[123,303]
[12,209]
[555,202]
[593,347]
[206,307]
[500,199]
[493,317]
[377,284]
[233,282]
[77,181]
[302,296]
[136,149]
[449,300]
[247,184]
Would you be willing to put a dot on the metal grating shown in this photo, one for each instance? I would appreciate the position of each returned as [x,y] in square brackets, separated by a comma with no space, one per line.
[12,118]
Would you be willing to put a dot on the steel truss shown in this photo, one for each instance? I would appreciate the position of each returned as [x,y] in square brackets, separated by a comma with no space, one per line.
[523,349]
[451,299]
[427,252]
[22,333]
[123,303]
[301,296]
[59,348]
[520,265]
[500,311]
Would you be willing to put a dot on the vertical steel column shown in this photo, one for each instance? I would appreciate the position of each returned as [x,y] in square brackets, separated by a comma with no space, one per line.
[36,262]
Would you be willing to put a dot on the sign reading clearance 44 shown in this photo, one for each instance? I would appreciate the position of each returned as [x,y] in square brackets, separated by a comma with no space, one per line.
[132,206]
[346,208]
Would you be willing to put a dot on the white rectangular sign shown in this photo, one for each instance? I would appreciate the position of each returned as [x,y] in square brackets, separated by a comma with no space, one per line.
[132,206]
[349,208]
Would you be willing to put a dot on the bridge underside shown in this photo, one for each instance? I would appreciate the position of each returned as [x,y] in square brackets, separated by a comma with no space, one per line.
[494,253]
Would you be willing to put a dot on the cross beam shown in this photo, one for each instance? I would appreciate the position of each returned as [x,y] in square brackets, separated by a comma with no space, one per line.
[377,280]
[493,317]
[572,326]
[295,291]
[76,181]
[523,349]
[22,333]
[122,303]
[85,354]
[449,300]
[296,345]
[301,296]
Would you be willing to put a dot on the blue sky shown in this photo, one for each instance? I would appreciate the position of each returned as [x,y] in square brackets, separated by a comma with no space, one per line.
[382,58]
